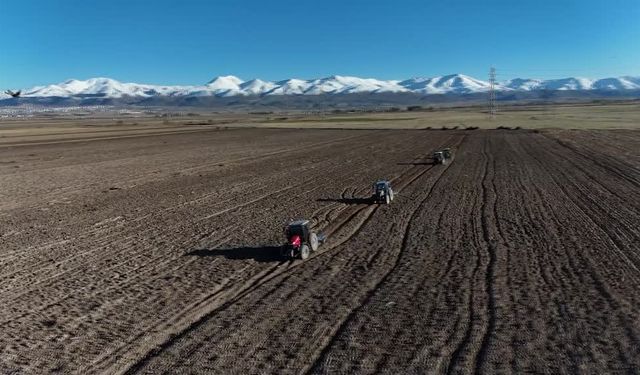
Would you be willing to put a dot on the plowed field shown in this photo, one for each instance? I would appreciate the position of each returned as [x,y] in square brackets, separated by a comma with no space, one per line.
[159,253]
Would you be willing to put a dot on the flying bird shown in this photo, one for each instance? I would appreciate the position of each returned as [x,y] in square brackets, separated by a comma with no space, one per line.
[13,94]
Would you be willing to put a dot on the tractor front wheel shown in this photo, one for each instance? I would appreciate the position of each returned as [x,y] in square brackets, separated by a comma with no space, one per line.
[313,241]
[304,252]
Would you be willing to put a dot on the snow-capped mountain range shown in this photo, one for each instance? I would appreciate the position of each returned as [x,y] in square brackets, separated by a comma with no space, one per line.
[227,86]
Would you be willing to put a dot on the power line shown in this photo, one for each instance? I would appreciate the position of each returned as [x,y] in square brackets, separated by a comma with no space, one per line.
[548,73]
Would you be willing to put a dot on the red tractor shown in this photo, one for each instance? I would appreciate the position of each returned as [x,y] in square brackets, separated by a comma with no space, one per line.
[301,241]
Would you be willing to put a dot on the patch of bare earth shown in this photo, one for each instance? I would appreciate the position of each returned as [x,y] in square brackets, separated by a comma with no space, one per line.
[158,253]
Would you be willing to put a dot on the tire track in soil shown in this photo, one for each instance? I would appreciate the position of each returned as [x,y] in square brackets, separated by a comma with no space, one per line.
[400,183]
[492,238]
[572,326]
[286,268]
[374,257]
[315,362]
[370,261]
[467,353]
[320,361]
[489,198]
[424,356]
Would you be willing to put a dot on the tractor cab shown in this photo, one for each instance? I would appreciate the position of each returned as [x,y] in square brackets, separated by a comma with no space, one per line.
[381,186]
[439,158]
[447,153]
[300,240]
[299,229]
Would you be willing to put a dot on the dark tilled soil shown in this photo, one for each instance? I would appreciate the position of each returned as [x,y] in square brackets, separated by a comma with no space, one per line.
[158,253]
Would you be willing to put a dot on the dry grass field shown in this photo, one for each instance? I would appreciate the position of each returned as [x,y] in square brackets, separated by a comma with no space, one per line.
[623,115]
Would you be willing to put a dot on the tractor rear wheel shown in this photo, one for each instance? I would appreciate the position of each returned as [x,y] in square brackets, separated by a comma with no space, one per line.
[304,252]
[313,241]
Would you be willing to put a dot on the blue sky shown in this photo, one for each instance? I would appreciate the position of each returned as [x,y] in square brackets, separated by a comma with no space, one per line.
[190,42]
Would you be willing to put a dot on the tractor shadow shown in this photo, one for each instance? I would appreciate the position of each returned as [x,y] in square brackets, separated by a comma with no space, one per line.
[416,163]
[349,201]
[263,254]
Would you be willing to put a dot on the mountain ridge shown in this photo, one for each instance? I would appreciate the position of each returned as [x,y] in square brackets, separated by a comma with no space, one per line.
[230,86]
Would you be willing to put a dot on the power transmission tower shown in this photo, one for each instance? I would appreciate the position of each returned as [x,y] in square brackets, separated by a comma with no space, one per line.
[492,93]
